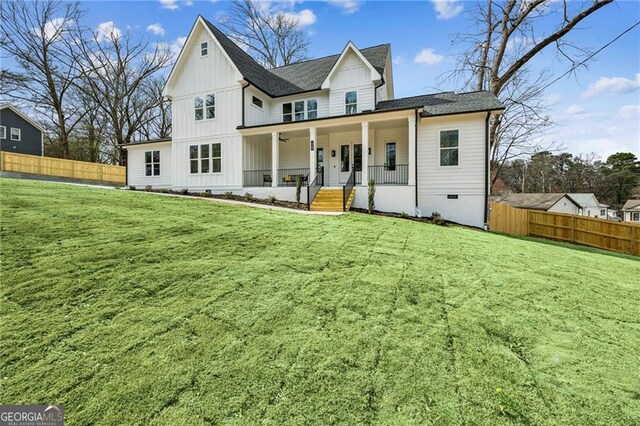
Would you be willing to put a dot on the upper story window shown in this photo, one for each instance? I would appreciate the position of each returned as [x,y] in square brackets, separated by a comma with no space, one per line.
[300,110]
[257,101]
[204,48]
[351,102]
[16,134]
[449,148]
[3,132]
[152,163]
[205,158]
[205,107]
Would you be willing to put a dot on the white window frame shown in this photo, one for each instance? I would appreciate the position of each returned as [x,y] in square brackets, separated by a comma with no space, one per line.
[204,49]
[209,158]
[19,138]
[440,148]
[152,163]
[254,98]
[635,218]
[205,107]
[346,105]
[3,132]
[304,112]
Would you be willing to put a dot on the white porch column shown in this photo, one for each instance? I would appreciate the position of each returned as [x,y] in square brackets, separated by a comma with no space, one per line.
[412,150]
[313,159]
[364,175]
[275,158]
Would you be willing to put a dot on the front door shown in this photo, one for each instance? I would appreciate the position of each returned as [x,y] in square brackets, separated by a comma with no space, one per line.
[320,165]
[350,157]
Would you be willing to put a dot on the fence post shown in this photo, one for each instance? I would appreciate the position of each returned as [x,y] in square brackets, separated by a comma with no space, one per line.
[528,223]
[635,247]
[573,229]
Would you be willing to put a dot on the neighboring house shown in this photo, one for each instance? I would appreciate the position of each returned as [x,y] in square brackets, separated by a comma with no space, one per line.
[242,128]
[631,211]
[19,133]
[589,205]
[557,203]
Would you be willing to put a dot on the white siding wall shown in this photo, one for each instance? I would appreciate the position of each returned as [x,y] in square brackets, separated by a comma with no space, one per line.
[563,205]
[351,74]
[253,114]
[199,76]
[136,166]
[257,153]
[467,180]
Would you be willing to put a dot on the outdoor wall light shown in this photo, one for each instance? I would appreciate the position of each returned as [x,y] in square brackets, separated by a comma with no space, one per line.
[333,152]
[369,150]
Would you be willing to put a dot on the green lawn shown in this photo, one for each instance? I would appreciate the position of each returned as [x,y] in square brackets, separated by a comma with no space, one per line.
[131,308]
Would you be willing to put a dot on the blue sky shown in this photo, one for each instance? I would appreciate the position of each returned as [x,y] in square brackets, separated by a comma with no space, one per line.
[596,111]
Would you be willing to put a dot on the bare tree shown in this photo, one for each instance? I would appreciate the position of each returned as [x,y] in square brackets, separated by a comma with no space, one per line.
[157,123]
[500,50]
[39,36]
[116,70]
[273,39]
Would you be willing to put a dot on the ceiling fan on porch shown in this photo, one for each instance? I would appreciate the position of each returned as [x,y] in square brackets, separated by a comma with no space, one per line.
[282,139]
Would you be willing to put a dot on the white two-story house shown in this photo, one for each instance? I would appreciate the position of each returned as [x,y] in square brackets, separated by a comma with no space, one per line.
[331,122]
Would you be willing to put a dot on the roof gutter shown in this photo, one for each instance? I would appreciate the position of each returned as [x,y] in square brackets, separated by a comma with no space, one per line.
[425,114]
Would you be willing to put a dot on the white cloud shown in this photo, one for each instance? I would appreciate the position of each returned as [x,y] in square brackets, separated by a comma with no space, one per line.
[169,4]
[188,3]
[52,28]
[574,110]
[348,6]
[156,28]
[305,17]
[612,86]
[447,9]
[429,57]
[629,111]
[398,60]
[107,30]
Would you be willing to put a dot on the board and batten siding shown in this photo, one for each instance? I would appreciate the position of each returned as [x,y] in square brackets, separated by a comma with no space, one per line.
[254,115]
[136,173]
[321,96]
[351,74]
[466,180]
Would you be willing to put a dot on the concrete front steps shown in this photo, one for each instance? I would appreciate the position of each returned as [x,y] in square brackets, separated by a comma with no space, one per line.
[330,200]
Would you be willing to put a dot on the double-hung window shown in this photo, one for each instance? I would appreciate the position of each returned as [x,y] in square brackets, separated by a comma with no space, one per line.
[3,132]
[205,108]
[16,134]
[205,158]
[449,148]
[636,216]
[204,49]
[152,163]
[299,110]
[351,102]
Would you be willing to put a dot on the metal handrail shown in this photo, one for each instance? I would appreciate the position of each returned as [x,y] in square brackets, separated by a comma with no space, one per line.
[347,188]
[314,187]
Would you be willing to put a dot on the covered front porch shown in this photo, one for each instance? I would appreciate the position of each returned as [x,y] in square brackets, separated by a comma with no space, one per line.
[326,152]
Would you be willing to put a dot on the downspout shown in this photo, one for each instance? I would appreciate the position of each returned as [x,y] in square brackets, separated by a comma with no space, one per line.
[486,170]
[244,87]
[375,93]
[415,161]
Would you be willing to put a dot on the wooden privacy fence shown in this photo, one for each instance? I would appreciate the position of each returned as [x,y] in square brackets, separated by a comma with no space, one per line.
[49,166]
[606,234]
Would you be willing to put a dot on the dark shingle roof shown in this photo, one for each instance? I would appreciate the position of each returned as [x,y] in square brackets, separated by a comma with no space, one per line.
[445,103]
[532,201]
[291,79]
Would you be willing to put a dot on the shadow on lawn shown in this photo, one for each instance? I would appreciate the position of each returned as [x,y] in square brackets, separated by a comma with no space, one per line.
[586,249]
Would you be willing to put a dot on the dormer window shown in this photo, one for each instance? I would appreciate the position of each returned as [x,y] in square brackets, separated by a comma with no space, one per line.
[204,49]
[351,103]
[257,101]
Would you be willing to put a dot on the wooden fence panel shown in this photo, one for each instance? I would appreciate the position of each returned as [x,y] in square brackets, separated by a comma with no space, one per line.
[49,166]
[605,234]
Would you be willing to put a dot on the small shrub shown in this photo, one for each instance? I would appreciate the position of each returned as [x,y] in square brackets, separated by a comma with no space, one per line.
[438,219]
[272,199]
[372,195]
[248,196]
[148,188]
[164,191]
[184,191]
[298,189]
[404,215]
[228,194]
[132,187]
